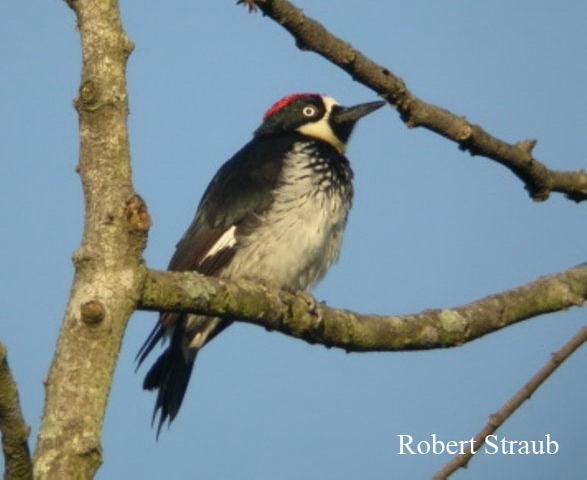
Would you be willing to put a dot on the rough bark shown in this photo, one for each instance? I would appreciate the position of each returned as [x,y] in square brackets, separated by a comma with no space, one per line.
[311,35]
[300,316]
[108,265]
[15,432]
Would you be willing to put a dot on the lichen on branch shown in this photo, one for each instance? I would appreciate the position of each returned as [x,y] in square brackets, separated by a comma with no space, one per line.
[298,315]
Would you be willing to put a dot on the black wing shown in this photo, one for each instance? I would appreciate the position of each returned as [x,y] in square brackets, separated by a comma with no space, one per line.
[240,192]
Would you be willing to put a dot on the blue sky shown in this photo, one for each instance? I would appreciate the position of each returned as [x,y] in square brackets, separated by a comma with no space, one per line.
[431,227]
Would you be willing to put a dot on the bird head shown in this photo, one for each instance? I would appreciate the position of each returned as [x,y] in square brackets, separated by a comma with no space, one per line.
[314,115]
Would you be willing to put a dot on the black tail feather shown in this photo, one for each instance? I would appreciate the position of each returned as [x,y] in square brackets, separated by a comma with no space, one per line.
[155,335]
[169,318]
[170,374]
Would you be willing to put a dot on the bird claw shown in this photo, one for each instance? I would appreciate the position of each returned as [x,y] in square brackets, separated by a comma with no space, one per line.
[313,305]
[309,299]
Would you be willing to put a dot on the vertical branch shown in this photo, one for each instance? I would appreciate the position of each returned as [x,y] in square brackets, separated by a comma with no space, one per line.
[108,265]
[15,432]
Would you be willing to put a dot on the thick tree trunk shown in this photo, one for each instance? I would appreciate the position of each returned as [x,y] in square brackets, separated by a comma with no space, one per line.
[108,266]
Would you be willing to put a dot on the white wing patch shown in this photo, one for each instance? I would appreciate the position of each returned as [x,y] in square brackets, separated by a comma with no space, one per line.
[226,240]
[301,234]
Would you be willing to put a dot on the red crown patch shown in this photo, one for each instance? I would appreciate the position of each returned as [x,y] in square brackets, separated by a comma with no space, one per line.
[285,101]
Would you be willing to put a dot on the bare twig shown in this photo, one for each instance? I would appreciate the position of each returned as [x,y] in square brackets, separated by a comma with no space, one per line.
[250,4]
[518,157]
[498,418]
[15,432]
[296,316]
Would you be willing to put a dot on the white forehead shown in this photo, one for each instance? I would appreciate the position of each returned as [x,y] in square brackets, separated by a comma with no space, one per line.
[329,102]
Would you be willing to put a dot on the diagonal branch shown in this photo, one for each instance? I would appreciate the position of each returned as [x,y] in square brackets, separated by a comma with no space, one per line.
[518,157]
[300,316]
[498,418]
[15,432]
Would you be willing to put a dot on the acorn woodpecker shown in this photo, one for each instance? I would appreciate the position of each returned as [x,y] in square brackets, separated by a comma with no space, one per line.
[274,213]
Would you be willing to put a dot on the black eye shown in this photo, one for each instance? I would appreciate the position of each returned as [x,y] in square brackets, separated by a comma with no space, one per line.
[309,111]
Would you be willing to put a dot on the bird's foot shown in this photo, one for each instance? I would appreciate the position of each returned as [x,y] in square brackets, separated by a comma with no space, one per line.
[309,299]
[313,308]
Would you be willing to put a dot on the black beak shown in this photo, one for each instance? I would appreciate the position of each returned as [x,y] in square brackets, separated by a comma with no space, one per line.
[350,115]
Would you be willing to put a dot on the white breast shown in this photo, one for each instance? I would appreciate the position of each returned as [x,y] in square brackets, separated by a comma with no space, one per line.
[300,236]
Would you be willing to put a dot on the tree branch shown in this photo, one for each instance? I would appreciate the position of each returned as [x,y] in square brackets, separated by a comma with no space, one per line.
[15,432]
[518,157]
[108,266]
[298,315]
[498,418]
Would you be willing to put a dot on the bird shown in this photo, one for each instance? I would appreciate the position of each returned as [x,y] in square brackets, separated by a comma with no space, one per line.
[274,213]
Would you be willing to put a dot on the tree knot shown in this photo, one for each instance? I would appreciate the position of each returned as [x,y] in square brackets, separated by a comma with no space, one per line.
[137,214]
[92,312]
